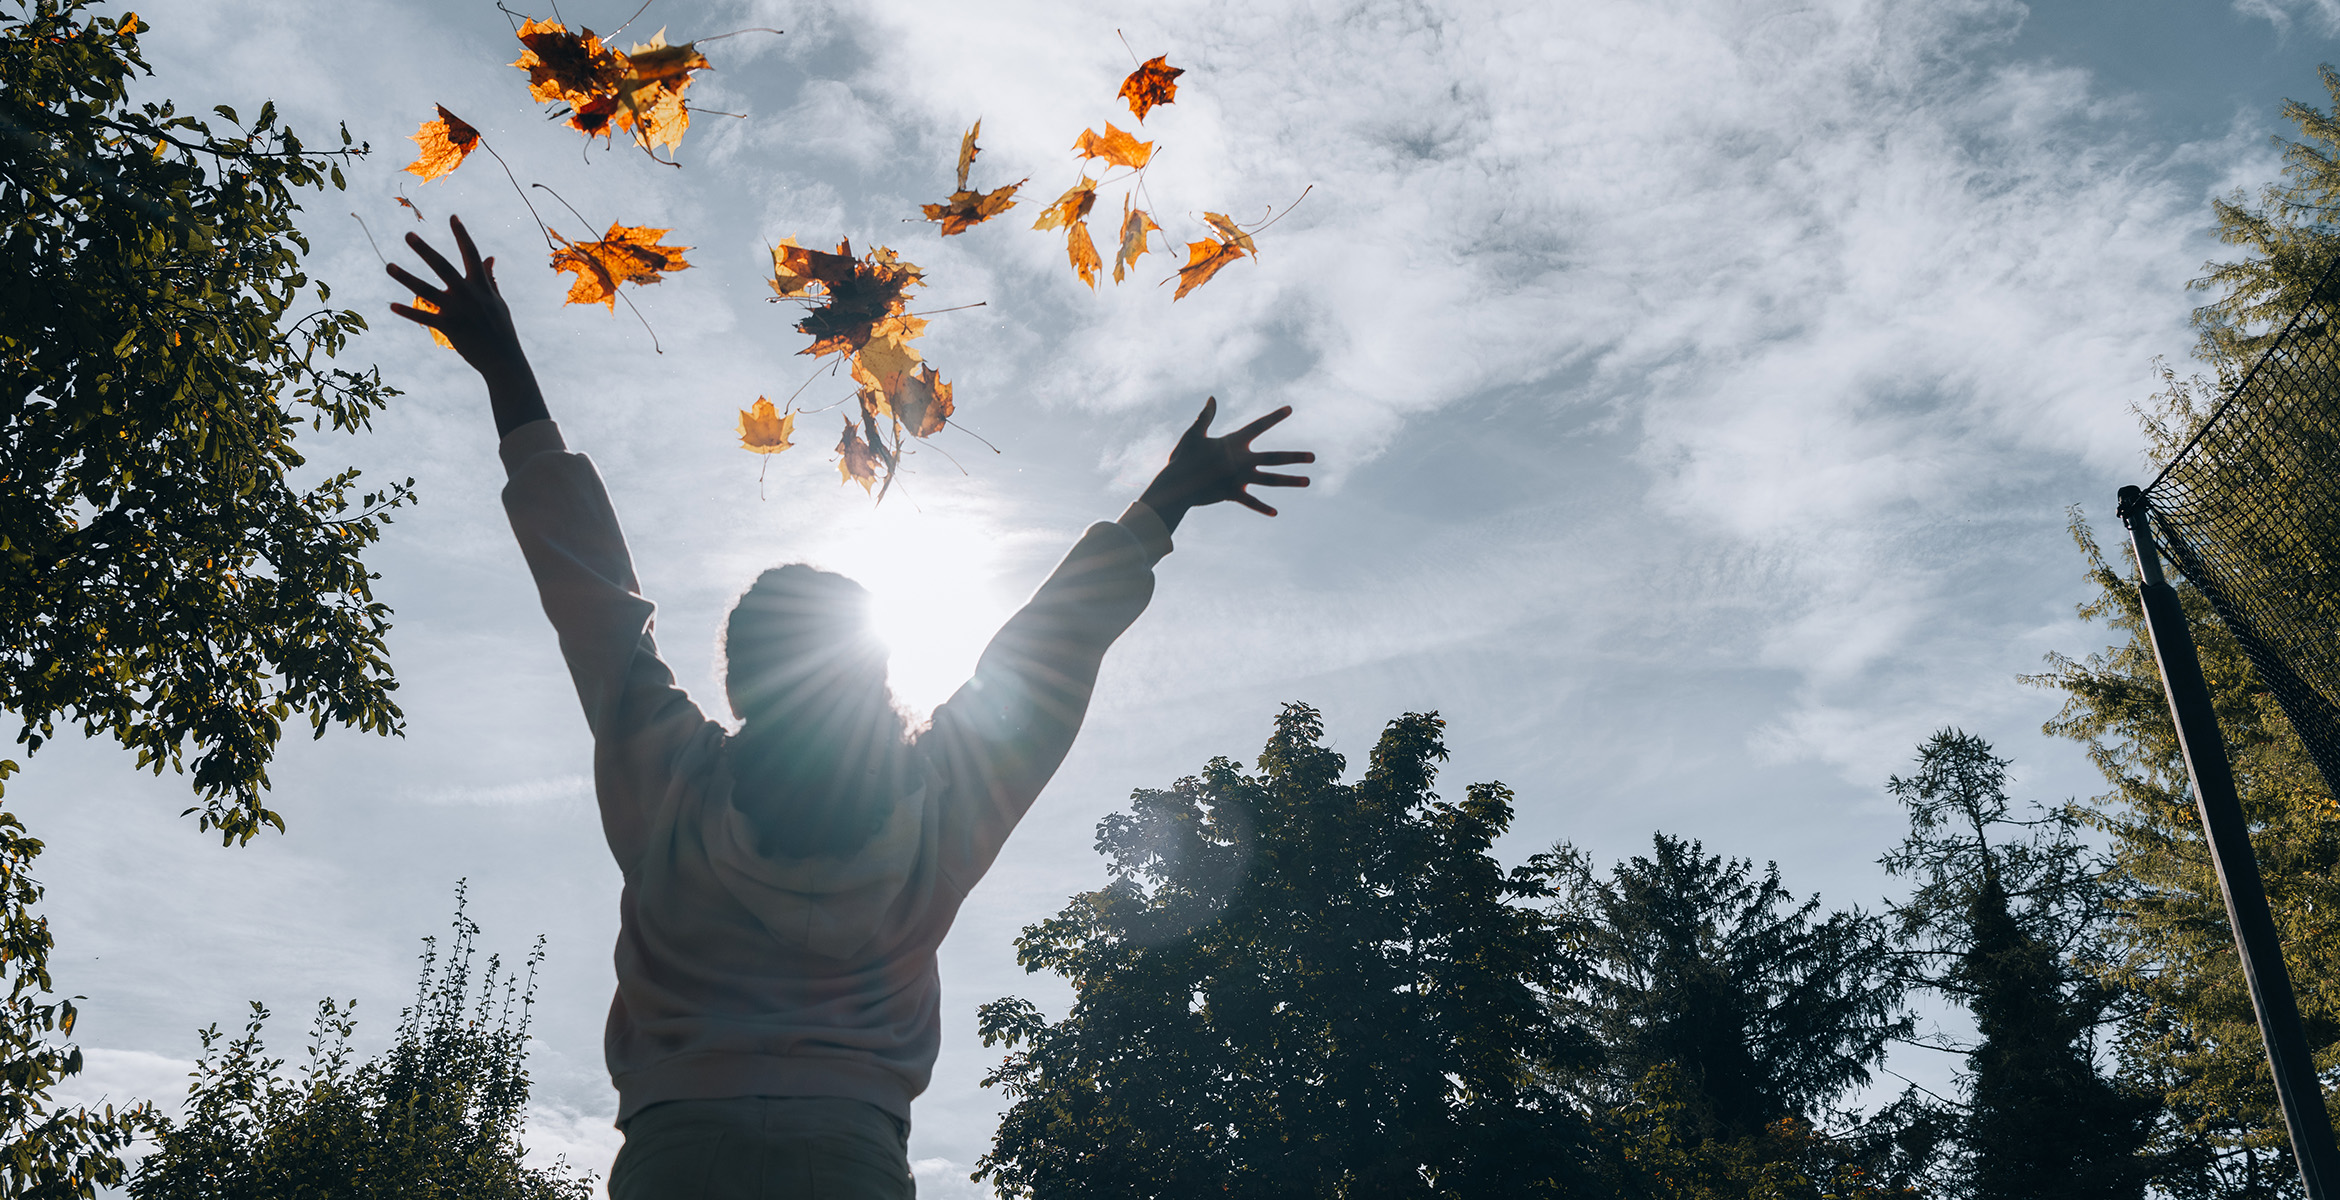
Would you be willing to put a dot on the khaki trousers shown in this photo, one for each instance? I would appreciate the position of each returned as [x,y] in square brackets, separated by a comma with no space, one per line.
[764,1148]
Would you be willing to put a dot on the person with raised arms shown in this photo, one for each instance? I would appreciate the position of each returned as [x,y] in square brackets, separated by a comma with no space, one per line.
[786,883]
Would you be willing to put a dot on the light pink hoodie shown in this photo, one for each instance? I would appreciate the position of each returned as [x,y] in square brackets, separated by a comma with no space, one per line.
[741,974]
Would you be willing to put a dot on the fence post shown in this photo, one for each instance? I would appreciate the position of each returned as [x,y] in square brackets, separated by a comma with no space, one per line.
[2228,835]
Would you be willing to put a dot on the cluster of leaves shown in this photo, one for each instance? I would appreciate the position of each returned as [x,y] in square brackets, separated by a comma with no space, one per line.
[436,1115]
[858,312]
[1153,83]
[163,580]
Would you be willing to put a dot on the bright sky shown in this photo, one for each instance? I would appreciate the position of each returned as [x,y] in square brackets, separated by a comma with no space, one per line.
[1698,385]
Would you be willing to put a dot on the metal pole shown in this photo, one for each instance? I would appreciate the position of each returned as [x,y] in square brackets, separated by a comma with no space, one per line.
[2228,834]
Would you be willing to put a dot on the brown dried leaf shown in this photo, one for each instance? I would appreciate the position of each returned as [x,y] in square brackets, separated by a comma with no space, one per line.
[967,152]
[1135,225]
[856,462]
[966,209]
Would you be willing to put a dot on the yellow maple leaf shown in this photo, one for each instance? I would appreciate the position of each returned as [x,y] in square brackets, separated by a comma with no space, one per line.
[764,430]
[1083,253]
[422,305]
[1203,260]
[443,144]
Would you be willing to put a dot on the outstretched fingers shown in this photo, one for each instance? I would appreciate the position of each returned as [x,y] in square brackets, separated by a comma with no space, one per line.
[1282,458]
[1244,435]
[1264,479]
[434,260]
[472,268]
[1254,503]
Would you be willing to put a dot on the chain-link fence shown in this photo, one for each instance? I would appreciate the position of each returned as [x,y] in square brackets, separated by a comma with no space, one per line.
[2250,511]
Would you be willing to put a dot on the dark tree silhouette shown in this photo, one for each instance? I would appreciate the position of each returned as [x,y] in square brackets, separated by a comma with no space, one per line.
[1294,986]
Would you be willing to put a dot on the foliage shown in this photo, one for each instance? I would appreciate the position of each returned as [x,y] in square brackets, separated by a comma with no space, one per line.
[163,580]
[2194,1038]
[436,1116]
[2005,918]
[1662,1153]
[1763,1009]
[2288,238]
[1294,987]
[46,1150]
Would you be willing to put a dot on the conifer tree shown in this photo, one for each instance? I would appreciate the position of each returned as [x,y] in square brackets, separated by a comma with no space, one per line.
[2004,918]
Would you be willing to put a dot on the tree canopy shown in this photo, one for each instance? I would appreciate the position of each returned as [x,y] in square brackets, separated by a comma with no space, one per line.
[170,576]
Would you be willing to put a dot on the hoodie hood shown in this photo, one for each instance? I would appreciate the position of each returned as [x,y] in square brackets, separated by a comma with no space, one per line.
[830,907]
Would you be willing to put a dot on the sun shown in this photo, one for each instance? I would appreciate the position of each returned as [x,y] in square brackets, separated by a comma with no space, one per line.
[933,600]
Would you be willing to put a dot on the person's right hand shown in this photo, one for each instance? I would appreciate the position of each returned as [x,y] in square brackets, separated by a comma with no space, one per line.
[1206,470]
[471,311]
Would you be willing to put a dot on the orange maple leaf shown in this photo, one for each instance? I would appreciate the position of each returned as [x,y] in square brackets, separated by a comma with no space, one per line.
[626,254]
[1083,253]
[1203,260]
[856,461]
[1156,82]
[444,143]
[764,430]
[1073,205]
[1229,231]
[1135,224]
[881,363]
[966,209]
[1114,146]
[573,69]
[422,305]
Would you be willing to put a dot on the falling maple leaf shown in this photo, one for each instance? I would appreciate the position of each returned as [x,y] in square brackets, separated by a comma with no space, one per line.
[1230,232]
[966,209]
[410,207]
[422,305]
[573,69]
[968,150]
[1115,146]
[1135,225]
[1203,260]
[444,144]
[1070,207]
[626,254]
[923,403]
[1155,82]
[650,93]
[882,362]
[856,461]
[764,430]
[1083,253]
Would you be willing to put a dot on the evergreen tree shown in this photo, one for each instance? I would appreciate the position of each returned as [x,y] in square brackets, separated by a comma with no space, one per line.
[2193,1037]
[1727,1020]
[436,1117]
[1294,986]
[2005,918]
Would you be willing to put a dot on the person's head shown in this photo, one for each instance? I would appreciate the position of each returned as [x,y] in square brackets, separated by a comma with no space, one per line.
[816,757]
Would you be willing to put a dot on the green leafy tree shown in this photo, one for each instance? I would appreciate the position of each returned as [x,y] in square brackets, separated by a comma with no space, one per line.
[47,1150]
[2193,1037]
[2005,917]
[436,1117]
[165,579]
[1294,986]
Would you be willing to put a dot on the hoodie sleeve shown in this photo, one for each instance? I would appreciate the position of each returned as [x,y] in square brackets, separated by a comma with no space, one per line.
[638,715]
[1000,738]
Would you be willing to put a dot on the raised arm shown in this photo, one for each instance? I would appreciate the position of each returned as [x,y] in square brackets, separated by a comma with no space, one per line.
[473,317]
[997,742]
